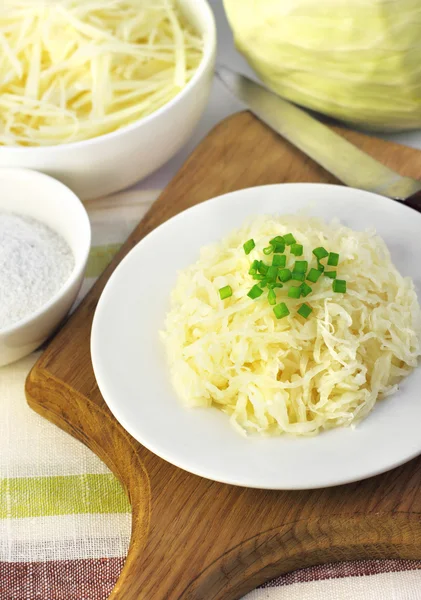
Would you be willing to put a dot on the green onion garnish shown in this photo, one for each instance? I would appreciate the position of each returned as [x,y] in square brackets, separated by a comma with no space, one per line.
[314,275]
[305,310]
[279,260]
[278,239]
[225,292]
[262,268]
[284,275]
[272,273]
[272,297]
[300,266]
[275,275]
[294,291]
[333,259]
[281,310]
[248,246]
[253,267]
[289,239]
[320,252]
[339,286]
[255,292]
[278,244]
[297,276]
[305,289]
[296,249]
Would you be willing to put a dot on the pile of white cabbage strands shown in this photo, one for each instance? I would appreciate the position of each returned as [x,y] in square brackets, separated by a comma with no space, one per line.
[72,70]
[292,375]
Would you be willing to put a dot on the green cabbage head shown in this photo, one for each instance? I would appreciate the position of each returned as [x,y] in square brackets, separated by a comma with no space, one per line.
[356,60]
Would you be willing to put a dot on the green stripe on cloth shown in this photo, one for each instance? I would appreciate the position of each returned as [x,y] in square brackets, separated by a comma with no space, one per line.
[63,495]
[99,258]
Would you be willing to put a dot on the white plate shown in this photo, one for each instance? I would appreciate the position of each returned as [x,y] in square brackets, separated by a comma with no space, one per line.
[131,369]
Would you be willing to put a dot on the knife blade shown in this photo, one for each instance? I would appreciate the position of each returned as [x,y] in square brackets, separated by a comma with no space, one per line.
[334,153]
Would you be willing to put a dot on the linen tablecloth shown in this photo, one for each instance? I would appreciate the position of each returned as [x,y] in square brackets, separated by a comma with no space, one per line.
[64,518]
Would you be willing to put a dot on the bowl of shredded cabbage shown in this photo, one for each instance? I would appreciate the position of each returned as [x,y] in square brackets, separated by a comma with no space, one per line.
[100,94]
[285,323]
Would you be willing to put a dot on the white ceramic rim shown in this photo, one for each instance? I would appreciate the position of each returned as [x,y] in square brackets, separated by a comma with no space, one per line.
[79,266]
[208,55]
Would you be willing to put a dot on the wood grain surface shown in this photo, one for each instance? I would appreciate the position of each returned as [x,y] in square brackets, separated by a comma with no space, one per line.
[194,539]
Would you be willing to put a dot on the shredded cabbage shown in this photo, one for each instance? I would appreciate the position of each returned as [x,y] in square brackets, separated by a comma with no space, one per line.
[292,375]
[76,69]
[356,60]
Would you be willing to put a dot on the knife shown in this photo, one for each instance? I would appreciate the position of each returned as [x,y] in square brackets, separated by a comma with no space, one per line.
[334,153]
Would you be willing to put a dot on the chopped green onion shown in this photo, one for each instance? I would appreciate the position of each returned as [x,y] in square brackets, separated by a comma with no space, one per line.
[297,276]
[276,275]
[305,310]
[248,246]
[253,267]
[225,292]
[300,266]
[294,291]
[278,244]
[314,275]
[339,286]
[272,297]
[255,292]
[305,289]
[272,273]
[281,310]
[262,268]
[278,239]
[279,260]
[320,252]
[296,249]
[333,259]
[284,275]
[289,239]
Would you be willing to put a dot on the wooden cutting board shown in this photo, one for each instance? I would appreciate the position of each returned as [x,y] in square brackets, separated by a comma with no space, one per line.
[195,539]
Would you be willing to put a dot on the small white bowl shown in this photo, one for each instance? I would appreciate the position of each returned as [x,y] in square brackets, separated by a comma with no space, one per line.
[108,163]
[39,196]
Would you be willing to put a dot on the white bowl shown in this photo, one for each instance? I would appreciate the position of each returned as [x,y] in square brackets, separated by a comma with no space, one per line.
[36,195]
[114,161]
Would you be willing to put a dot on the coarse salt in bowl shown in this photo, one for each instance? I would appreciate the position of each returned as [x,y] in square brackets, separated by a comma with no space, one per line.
[30,194]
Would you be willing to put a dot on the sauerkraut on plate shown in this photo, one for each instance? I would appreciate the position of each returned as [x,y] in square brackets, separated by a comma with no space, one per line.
[292,370]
